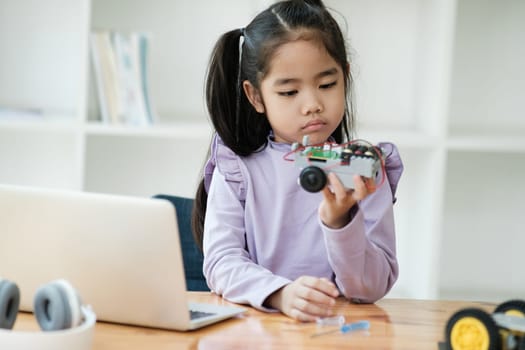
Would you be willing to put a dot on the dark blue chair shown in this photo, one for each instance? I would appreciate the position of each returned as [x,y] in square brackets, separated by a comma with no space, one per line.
[191,254]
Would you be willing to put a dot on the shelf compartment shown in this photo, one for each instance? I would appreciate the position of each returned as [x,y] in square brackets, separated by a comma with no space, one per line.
[483,240]
[44,50]
[179,47]
[400,61]
[144,166]
[488,76]
[43,159]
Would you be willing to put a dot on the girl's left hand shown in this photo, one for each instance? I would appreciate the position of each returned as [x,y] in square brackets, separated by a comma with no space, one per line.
[337,202]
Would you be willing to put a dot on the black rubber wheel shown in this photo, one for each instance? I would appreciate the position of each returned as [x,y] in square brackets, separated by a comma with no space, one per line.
[513,307]
[472,328]
[312,179]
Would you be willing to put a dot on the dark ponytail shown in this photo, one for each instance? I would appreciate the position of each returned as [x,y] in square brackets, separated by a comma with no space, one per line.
[222,96]
[238,124]
[198,213]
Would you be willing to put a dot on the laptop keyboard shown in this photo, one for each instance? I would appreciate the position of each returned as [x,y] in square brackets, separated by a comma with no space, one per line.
[194,314]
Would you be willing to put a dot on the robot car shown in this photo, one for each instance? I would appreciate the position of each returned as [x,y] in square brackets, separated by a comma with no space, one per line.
[476,329]
[346,160]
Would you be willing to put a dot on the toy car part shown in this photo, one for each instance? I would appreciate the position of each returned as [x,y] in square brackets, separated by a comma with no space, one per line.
[312,179]
[345,160]
[476,329]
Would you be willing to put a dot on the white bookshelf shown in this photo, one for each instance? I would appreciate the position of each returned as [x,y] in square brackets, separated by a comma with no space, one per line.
[443,79]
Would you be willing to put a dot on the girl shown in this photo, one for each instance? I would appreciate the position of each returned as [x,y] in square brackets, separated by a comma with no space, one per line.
[266,241]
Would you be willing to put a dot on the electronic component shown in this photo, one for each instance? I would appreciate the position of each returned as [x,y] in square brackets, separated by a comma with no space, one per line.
[347,327]
[346,160]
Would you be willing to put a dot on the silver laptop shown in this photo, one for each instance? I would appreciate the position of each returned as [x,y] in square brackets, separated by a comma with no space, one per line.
[121,253]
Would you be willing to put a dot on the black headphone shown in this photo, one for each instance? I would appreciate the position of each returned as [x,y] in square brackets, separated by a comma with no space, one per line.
[56,305]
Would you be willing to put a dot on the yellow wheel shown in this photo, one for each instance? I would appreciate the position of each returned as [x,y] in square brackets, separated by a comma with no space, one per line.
[512,308]
[472,329]
[515,307]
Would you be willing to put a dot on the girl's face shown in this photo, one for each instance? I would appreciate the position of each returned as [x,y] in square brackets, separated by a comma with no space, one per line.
[302,94]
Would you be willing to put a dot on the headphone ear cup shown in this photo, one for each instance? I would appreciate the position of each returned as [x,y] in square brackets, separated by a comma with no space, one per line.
[57,306]
[9,303]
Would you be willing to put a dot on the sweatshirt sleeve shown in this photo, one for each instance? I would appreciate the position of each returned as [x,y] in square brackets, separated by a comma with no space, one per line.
[363,253]
[228,266]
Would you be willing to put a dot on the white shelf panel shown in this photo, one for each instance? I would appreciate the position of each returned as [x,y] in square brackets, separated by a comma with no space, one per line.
[183,130]
[493,144]
[50,125]
[409,139]
[482,140]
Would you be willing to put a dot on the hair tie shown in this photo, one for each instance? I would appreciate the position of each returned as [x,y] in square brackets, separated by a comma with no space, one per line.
[239,85]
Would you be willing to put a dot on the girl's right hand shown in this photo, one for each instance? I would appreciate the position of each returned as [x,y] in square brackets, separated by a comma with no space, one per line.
[306,298]
[334,210]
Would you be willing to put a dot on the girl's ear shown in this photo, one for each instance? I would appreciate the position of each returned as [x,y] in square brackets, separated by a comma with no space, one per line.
[253,96]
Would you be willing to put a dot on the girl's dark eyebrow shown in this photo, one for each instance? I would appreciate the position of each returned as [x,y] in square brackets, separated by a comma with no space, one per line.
[328,72]
[284,81]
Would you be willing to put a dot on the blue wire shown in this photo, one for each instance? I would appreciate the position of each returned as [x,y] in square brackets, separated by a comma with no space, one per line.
[359,325]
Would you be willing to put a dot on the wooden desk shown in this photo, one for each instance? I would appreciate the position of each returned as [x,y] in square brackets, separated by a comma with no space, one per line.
[402,324]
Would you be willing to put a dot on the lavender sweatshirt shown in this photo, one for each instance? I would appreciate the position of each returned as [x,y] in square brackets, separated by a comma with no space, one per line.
[262,230]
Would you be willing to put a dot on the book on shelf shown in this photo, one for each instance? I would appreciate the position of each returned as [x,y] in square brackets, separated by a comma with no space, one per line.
[120,69]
